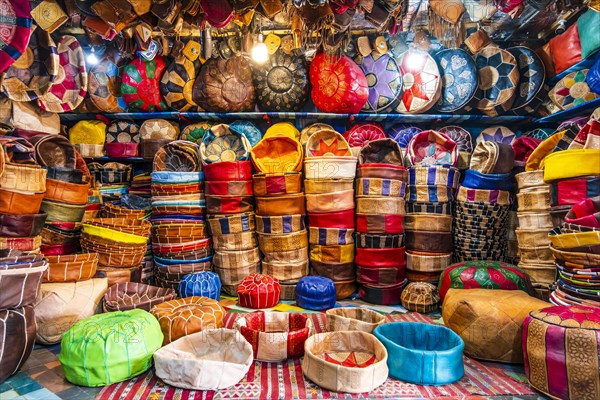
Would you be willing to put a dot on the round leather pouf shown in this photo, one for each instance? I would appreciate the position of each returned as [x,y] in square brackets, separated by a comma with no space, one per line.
[205,284]
[110,347]
[181,317]
[421,297]
[17,328]
[561,350]
[483,275]
[315,293]
[259,291]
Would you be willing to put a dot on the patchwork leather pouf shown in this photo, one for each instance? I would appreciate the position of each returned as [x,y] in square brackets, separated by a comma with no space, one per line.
[561,350]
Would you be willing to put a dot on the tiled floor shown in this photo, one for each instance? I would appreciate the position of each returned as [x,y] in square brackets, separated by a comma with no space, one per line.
[41,378]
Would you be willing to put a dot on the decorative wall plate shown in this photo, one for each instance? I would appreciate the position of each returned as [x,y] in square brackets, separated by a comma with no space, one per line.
[281,83]
[420,80]
[32,74]
[384,80]
[70,85]
[459,79]
[498,77]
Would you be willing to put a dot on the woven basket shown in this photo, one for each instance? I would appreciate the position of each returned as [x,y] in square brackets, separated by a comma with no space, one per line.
[285,271]
[236,259]
[284,242]
[115,211]
[536,254]
[379,205]
[24,178]
[535,220]
[532,238]
[316,186]
[428,222]
[540,273]
[235,241]
[427,262]
[132,226]
[534,200]
[530,179]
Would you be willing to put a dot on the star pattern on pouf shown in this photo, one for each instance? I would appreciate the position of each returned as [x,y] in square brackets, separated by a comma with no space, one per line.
[423,81]
[350,361]
[504,81]
[384,79]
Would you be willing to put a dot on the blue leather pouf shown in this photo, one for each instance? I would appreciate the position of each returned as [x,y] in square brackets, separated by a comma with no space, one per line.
[315,293]
[205,284]
[424,354]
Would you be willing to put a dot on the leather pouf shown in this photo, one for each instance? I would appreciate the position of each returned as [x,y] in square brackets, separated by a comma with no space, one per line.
[140,85]
[338,84]
[484,275]
[225,86]
[181,317]
[205,284]
[498,79]
[275,336]
[282,83]
[384,80]
[259,291]
[490,321]
[110,347]
[17,330]
[561,347]
[421,297]
[60,305]
[130,295]
[459,79]
[315,293]
[177,82]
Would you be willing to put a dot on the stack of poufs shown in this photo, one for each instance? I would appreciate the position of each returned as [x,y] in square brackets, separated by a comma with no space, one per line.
[280,210]
[72,289]
[535,221]
[483,204]
[329,170]
[180,240]
[230,205]
[574,179]
[380,252]
[141,185]
[578,267]
[67,191]
[432,183]
[121,245]
[561,347]
[20,279]
[22,188]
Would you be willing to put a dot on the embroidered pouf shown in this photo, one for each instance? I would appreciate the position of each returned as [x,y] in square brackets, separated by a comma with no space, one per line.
[275,336]
[561,347]
[353,319]
[110,347]
[421,297]
[205,284]
[423,354]
[129,295]
[259,291]
[181,317]
[208,360]
[484,275]
[315,293]
[490,321]
[350,361]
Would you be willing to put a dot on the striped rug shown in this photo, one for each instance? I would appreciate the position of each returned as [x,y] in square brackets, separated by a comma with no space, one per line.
[285,381]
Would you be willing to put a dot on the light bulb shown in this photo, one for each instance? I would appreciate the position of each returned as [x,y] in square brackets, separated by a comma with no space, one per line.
[92,59]
[260,53]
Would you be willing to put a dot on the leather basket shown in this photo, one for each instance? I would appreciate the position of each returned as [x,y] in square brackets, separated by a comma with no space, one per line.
[65,192]
[122,150]
[312,186]
[22,177]
[71,268]
[20,202]
[21,225]
[288,204]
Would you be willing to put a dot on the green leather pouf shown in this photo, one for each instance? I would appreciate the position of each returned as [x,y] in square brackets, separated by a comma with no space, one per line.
[110,347]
